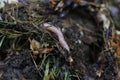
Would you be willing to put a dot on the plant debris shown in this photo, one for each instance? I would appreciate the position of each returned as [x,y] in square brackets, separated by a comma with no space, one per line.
[59,40]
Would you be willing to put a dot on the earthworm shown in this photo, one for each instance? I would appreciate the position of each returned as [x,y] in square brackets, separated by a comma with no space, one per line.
[59,34]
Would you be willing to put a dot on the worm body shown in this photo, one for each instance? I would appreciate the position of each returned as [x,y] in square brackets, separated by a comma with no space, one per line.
[59,34]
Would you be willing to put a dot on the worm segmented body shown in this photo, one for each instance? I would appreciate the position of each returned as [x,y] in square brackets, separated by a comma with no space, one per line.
[59,34]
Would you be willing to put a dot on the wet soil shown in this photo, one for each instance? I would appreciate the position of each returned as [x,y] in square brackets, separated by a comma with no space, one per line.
[84,36]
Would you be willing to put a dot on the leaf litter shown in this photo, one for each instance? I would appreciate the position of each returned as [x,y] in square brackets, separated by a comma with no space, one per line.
[80,41]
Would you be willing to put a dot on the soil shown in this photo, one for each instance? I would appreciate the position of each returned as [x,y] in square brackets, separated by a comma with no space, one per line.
[82,32]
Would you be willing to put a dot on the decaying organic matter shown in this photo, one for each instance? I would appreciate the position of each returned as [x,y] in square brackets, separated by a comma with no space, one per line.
[60,40]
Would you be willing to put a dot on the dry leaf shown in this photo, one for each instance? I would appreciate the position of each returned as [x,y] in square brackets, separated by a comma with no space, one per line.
[59,6]
[46,50]
[43,50]
[34,45]
[35,52]
[99,73]
[102,17]
[115,42]
[52,3]
[119,74]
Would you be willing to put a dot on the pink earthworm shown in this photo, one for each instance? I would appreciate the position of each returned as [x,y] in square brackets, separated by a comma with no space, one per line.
[59,34]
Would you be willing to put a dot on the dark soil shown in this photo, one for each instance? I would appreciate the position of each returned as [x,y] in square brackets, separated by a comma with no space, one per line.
[18,66]
[82,32]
